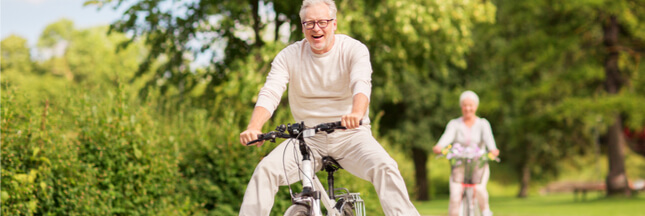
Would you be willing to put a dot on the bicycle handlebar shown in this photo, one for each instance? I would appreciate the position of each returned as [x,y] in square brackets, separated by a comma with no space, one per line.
[295,130]
[486,155]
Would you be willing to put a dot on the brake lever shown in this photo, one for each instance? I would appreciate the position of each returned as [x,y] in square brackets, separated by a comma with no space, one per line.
[267,136]
[254,141]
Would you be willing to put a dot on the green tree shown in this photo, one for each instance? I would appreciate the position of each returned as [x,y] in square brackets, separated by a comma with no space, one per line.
[53,43]
[550,58]
[16,57]
[88,55]
[623,33]
[418,51]
[177,32]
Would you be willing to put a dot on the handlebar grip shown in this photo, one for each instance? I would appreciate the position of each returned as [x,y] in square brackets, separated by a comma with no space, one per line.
[340,124]
[261,137]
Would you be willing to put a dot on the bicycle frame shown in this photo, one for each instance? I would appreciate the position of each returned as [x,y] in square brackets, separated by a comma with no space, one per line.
[469,205]
[312,189]
[467,170]
[314,196]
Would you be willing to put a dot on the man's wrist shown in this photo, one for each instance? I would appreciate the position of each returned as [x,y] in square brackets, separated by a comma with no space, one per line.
[253,127]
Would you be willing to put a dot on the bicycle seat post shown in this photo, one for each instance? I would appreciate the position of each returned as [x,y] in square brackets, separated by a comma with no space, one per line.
[331,166]
[330,183]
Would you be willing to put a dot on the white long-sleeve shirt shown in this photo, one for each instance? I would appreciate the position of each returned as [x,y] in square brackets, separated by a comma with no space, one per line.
[321,86]
[479,134]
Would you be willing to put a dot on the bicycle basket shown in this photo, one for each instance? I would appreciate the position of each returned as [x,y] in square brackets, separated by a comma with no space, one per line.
[468,170]
[359,204]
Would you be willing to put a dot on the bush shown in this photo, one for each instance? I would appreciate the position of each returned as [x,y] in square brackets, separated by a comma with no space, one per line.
[85,155]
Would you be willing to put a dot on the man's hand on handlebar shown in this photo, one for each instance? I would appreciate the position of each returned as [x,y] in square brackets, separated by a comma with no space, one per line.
[249,135]
[351,121]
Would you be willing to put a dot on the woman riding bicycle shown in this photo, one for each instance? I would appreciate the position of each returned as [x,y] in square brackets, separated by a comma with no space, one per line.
[468,130]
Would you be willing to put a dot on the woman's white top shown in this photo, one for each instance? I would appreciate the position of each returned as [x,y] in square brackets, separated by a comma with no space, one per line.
[479,134]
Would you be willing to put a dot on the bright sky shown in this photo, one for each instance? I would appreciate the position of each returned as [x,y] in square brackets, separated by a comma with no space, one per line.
[28,18]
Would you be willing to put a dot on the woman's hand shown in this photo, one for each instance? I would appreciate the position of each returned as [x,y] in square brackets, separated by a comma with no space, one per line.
[495,152]
[436,149]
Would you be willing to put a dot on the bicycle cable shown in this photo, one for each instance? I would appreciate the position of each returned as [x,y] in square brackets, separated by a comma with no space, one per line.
[284,168]
[296,151]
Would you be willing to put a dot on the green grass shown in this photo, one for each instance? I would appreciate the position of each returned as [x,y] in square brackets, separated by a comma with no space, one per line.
[552,205]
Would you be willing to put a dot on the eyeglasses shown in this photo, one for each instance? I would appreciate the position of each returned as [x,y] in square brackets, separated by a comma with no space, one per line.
[311,24]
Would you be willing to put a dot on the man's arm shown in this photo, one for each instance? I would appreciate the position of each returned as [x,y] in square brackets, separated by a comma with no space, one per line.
[260,116]
[359,108]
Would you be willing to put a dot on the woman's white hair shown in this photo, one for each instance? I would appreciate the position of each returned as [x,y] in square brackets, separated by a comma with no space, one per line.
[469,94]
[307,3]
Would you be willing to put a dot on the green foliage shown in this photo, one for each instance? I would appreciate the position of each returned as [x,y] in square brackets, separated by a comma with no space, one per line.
[222,31]
[15,57]
[22,159]
[415,77]
[87,156]
[549,59]
[88,56]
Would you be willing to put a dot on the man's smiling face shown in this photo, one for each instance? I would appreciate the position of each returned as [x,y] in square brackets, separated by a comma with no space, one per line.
[321,40]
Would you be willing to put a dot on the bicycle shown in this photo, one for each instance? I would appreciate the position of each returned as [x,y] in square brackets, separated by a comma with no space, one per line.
[467,168]
[307,202]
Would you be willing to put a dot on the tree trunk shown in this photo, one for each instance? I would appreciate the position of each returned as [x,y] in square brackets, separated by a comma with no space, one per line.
[278,23]
[525,179]
[524,183]
[616,178]
[257,23]
[420,158]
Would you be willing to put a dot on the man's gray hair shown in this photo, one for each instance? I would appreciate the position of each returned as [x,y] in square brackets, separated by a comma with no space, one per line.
[307,3]
[469,94]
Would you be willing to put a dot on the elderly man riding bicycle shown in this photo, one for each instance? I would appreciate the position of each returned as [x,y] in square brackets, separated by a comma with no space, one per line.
[329,78]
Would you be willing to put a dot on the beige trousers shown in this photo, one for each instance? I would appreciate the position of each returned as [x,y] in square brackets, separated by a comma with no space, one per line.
[355,150]
[457,190]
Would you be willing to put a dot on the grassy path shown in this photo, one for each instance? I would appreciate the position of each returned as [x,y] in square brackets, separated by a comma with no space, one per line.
[554,205]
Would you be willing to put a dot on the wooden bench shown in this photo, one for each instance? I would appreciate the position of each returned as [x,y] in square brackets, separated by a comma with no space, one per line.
[581,189]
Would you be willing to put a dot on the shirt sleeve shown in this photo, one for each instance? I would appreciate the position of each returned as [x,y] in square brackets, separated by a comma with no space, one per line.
[487,135]
[448,135]
[276,83]
[361,71]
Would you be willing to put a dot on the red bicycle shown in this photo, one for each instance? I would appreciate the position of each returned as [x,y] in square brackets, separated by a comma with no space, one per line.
[468,166]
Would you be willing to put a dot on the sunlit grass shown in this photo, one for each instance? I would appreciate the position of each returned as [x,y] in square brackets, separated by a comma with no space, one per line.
[552,205]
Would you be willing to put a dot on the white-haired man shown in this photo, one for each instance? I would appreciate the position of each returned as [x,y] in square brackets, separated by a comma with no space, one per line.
[329,78]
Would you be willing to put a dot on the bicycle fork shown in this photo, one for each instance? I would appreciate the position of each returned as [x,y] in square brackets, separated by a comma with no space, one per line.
[469,200]
[312,187]
[307,176]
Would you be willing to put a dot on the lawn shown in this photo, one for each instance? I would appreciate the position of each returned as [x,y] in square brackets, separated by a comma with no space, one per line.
[552,205]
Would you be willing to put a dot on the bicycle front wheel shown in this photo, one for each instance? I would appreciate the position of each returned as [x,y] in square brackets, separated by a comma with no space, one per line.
[469,206]
[348,209]
[297,210]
